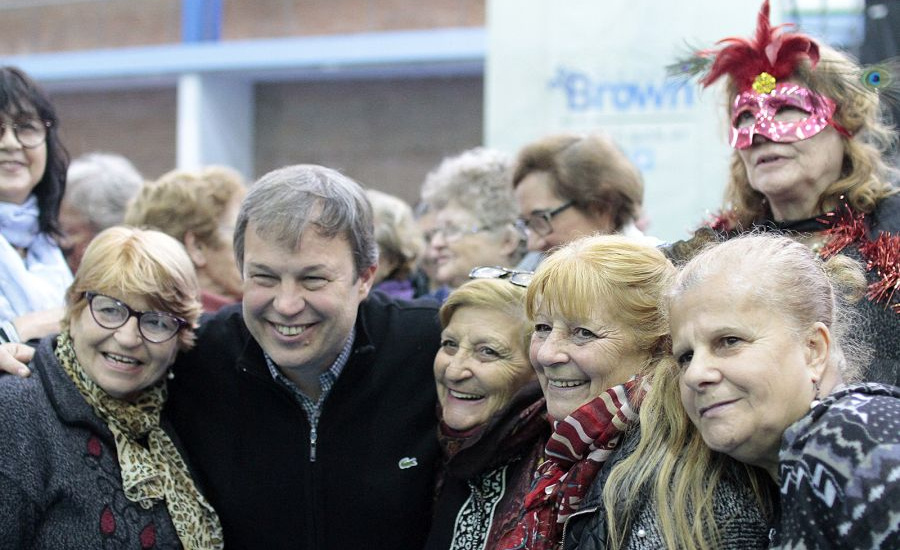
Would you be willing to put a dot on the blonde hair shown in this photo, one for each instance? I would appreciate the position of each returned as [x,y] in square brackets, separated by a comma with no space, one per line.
[182,201]
[675,467]
[493,294]
[865,176]
[125,260]
[396,231]
[671,461]
[622,274]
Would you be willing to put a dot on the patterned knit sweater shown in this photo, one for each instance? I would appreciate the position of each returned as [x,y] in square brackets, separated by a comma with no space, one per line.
[840,472]
[60,484]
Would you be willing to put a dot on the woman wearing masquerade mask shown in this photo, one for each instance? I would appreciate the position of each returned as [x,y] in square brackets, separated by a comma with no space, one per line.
[809,160]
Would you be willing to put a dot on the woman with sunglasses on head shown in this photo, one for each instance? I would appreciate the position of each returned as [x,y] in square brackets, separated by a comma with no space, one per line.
[493,423]
[569,186]
[810,143]
[87,460]
[33,272]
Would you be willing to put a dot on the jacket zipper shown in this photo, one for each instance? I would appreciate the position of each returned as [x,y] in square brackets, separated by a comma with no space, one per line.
[568,519]
[313,439]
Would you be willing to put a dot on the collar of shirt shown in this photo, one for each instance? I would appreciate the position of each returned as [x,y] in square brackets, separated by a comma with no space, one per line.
[326,380]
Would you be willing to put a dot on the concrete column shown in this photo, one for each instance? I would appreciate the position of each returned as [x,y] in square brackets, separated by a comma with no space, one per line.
[215,122]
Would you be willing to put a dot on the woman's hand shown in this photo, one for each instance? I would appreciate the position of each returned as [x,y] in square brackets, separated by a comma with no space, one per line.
[13,358]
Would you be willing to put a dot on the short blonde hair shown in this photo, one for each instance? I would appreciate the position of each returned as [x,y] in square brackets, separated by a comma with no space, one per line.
[626,276]
[126,260]
[398,235]
[494,294]
[182,201]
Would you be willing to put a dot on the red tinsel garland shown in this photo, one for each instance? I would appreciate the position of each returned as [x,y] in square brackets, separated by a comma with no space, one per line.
[881,255]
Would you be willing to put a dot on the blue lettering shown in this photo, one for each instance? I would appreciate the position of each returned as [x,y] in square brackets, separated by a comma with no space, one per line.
[584,93]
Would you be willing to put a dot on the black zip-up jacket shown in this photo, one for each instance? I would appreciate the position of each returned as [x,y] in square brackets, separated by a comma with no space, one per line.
[371,484]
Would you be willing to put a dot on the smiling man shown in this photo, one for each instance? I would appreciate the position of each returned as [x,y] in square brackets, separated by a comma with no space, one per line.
[309,412]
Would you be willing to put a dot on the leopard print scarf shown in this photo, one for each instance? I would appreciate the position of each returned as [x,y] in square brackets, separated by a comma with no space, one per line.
[154,471]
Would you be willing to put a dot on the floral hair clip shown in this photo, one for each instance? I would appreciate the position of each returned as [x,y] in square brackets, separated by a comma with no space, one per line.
[764,83]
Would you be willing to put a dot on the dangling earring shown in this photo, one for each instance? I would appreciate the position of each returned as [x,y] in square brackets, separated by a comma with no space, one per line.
[171,376]
[815,402]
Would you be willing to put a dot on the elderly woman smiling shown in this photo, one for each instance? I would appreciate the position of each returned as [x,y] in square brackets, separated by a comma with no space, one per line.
[86,460]
[493,426]
[757,329]
[598,333]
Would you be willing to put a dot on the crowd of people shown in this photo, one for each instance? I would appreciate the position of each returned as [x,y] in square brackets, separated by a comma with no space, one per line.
[512,364]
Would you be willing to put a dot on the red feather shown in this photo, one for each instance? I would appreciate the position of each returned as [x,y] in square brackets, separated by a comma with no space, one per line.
[772,50]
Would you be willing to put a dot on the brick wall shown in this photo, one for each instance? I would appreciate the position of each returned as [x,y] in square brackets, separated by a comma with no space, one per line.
[30,26]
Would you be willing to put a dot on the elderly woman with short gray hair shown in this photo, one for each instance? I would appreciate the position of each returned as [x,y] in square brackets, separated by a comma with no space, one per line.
[475,214]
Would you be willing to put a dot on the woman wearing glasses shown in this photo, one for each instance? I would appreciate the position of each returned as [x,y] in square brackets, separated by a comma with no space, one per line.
[474,214]
[493,421]
[87,461]
[33,272]
[569,186]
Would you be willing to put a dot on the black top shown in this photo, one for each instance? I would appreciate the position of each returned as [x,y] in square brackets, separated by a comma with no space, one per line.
[371,485]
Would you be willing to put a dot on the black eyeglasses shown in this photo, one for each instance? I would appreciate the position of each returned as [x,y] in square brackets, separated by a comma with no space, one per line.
[518,278]
[154,326]
[539,221]
[28,132]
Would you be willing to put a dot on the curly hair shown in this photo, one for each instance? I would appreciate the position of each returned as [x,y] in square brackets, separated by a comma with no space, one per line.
[478,179]
[865,175]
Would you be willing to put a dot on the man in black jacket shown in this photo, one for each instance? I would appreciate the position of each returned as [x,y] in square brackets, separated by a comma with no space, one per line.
[308,411]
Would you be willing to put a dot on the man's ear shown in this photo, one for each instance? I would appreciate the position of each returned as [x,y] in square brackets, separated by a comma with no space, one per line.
[195,249]
[367,280]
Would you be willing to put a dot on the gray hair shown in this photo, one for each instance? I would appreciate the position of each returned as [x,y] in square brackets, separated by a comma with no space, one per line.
[285,201]
[794,283]
[99,185]
[479,179]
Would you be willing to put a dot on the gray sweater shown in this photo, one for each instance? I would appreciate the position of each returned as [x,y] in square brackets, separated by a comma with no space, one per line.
[740,521]
[60,484]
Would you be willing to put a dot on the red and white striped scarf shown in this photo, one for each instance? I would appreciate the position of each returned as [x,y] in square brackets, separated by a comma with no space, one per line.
[577,449]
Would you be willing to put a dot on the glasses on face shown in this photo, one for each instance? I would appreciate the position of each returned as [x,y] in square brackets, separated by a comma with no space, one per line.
[539,221]
[518,278]
[453,233]
[154,326]
[30,133]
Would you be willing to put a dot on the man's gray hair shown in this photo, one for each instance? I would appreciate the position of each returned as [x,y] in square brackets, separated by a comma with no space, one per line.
[285,201]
